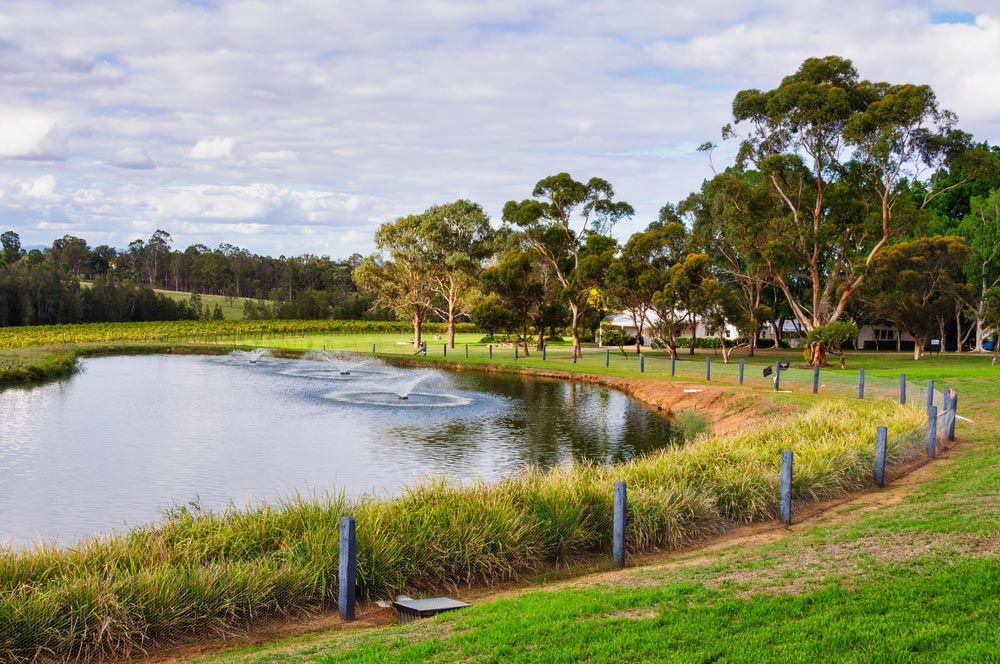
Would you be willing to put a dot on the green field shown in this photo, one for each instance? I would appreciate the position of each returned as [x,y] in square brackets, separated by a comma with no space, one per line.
[232,307]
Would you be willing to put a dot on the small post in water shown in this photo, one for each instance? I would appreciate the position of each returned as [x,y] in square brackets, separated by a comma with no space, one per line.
[618,535]
[347,570]
[902,388]
[932,431]
[742,366]
[881,434]
[930,394]
[861,383]
[786,487]
[954,415]
[708,368]
[642,363]
[816,379]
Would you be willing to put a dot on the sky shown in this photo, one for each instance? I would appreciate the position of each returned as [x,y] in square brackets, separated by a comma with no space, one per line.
[296,126]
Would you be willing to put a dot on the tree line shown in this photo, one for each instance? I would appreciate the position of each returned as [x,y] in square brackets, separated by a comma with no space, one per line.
[71,282]
[849,201]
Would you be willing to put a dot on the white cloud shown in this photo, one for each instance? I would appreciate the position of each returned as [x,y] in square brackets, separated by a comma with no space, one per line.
[300,126]
[29,134]
[134,158]
[43,186]
[219,147]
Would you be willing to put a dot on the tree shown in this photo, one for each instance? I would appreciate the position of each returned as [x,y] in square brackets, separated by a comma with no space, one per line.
[838,151]
[403,283]
[11,243]
[458,238]
[833,336]
[981,228]
[72,252]
[914,284]
[639,272]
[557,222]
[514,295]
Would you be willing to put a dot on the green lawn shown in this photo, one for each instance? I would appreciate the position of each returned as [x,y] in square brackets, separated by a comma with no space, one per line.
[888,580]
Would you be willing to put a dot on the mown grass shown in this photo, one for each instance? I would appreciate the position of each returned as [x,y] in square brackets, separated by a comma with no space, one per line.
[232,307]
[207,573]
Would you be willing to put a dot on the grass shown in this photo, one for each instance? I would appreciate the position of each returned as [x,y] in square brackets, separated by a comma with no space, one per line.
[232,307]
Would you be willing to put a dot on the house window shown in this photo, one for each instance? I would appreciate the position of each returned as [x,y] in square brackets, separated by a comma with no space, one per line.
[884,334]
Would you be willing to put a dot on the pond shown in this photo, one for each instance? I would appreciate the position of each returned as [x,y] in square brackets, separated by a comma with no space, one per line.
[128,437]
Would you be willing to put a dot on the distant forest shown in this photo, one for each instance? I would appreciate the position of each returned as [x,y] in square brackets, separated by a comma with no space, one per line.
[72,282]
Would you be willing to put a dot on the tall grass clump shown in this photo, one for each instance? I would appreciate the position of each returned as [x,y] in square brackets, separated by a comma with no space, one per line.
[212,573]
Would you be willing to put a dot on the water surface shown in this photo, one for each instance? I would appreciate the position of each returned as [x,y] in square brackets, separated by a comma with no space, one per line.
[129,436]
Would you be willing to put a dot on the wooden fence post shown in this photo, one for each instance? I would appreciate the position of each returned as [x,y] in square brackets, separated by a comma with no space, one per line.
[673,364]
[347,570]
[742,365]
[373,348]
[545,348]
[902,388]
[816,379]
[642,363]
[708,368]
[777,375]
[491,351]
[932,431]
[930,393]
[786,486]
[954,415]
[515,351]
[444,349]
[466,350]
[861,383]
[618,535]
[881,434]
[607,357]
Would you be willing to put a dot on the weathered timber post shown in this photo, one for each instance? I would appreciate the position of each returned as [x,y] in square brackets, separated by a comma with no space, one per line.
[861,383]
[618,534]
[932,431]
[816,379]
[881,434]
[742,366]
[786,486]
[347,570]
[902,388]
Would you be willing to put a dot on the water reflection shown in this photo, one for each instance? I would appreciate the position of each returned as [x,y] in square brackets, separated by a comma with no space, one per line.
[129,436]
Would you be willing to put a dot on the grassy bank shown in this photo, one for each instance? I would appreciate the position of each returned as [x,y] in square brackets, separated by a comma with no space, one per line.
[212,572]
[36,365]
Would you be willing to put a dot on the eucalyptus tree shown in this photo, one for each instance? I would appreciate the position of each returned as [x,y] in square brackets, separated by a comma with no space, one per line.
[514,295]
[402,281]
[458,238]
[914,285]
[557,222]
[981,227]
[839,152]
[639,272]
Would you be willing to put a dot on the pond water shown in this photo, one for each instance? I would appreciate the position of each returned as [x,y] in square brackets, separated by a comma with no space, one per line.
[128,437]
